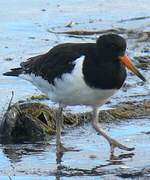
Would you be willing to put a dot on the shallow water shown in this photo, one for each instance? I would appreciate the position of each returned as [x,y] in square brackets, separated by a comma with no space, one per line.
[24,33]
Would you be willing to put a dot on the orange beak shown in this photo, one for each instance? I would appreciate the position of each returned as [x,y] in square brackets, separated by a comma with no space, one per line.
[128,63]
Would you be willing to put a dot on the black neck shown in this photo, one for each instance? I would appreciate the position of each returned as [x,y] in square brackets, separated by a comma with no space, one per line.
[108,75]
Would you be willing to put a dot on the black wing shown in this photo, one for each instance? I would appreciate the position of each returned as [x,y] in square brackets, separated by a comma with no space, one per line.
[57,61]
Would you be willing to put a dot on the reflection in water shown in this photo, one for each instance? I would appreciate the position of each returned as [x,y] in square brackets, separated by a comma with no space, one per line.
[15,153]
[59,166]
[63,171]
[121,156]
[41,158]
[59,157]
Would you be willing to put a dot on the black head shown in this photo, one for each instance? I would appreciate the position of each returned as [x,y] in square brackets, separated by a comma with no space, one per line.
[110,45]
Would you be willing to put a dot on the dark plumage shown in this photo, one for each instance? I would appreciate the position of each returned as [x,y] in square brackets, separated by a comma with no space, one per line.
[80,73]
[62,56]
[57,61]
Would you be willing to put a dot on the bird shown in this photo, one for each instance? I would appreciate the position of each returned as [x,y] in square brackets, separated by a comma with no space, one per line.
[80,74]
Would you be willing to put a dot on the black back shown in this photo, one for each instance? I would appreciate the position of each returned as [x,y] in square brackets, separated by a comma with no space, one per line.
[101,68]
[57,61]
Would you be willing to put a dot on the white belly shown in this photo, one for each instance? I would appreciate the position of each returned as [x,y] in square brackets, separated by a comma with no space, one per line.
[71,89]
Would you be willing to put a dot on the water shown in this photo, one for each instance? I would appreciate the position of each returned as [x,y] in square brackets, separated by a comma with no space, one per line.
[24,33]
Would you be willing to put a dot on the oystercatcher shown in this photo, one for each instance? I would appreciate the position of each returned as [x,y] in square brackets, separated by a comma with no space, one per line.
[80,74]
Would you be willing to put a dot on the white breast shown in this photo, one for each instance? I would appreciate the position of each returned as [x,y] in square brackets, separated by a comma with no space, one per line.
[71,89]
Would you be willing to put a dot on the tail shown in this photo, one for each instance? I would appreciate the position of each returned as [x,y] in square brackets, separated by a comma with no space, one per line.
[14,72]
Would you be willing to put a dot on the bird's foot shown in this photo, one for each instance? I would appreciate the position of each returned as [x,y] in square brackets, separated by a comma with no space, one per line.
[114,144]
[60,148]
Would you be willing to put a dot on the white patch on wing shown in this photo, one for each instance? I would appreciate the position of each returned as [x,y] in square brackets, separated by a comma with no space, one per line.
[71,89]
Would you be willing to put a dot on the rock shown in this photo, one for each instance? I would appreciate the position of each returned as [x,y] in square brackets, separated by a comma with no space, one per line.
[35,121]
[29,121]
